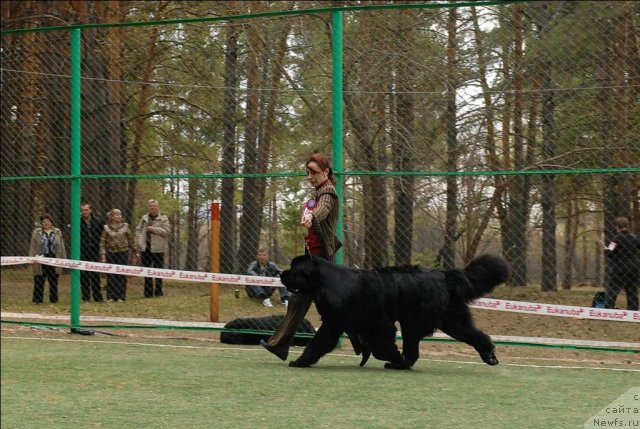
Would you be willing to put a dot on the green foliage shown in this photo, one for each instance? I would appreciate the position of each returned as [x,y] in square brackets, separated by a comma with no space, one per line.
[425,258]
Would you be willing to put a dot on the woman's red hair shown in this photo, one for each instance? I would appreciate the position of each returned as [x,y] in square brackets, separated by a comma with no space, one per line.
[321,160]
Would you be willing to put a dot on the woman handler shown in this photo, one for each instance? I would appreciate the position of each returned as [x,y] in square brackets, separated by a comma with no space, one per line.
[320,217]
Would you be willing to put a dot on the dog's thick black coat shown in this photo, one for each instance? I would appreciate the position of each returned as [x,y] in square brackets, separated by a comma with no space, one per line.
[367,303]
[267,323]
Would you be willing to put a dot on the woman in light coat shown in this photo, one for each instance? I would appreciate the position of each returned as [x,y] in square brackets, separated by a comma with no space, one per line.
[117,247]
[46,240]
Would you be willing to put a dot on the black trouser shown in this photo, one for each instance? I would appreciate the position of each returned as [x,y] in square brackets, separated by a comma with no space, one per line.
[299,305]
[117,283]
[618,280]
[48,272]
[90,285]
[152,260]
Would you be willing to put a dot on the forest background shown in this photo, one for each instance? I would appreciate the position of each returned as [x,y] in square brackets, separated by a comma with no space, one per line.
[509,127]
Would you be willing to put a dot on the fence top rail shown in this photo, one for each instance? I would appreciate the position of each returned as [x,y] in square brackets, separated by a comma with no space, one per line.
[564,171]
[430,5]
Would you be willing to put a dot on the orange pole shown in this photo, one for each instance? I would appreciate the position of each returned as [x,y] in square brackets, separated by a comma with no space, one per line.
[215,261]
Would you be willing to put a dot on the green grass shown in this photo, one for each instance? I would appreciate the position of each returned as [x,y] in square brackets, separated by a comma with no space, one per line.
[142,378]
[53,380]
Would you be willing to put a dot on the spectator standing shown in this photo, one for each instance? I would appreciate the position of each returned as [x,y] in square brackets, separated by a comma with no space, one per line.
[91,227]
[116,243]
[46,240]
[263,267]
[623,253]
[152,238]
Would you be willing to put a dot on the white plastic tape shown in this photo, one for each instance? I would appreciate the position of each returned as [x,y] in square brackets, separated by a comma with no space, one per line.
[558,310]
[239,279]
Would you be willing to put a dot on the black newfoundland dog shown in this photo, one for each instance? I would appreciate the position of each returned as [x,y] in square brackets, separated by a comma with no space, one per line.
[367,303]
[248,330]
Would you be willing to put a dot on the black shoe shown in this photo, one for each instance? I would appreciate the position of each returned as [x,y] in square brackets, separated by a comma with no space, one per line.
[490,358]
[278,351]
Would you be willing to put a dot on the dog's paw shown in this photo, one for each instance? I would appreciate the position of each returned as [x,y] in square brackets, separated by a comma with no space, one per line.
[365,356]
[397,365]
[299,364]
[490,358]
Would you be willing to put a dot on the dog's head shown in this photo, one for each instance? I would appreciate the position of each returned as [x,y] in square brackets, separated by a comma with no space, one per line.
[303,276]
[489,270]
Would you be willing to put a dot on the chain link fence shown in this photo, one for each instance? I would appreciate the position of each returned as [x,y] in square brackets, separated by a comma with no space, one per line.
[510,128]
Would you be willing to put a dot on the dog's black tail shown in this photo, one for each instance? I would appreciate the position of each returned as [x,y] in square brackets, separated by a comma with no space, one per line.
[481,276]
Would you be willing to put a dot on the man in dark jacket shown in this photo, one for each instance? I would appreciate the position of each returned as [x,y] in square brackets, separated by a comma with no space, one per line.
[265,268]
[624,271]
[91,228]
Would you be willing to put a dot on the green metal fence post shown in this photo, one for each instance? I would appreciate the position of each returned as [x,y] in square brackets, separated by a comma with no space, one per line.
[75,173]
[338,163]
[338,159]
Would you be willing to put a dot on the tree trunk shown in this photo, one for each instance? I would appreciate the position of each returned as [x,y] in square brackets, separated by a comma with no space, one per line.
[273,71]
[604,72]
[193,231]
[18,112]
[548,149]
[402,148]
[228,224]
[175,250]
[375,232]
[570,233]
[633,87]
[97,130]
[518,212]
[624,136]
[115,134]
[144,100]
[251,219]
[490,143]
[531,146]
[362,111]
[447,253]
[502,209]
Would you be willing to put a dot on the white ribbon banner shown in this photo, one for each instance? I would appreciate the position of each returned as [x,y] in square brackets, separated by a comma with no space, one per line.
[240,279]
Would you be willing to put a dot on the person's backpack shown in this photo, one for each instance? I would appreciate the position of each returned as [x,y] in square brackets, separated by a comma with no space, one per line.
[598,300]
